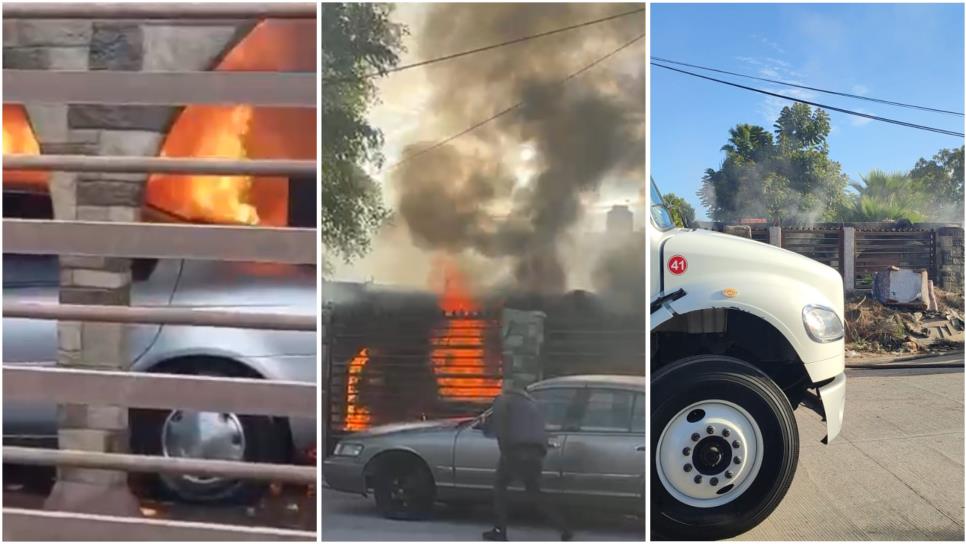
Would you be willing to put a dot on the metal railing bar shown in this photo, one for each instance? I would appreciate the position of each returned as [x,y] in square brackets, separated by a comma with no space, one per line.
[159,10]
[160,316]
[156,464]
[167,165]
[40,525]
[160,241]
[279,89]
[244,396]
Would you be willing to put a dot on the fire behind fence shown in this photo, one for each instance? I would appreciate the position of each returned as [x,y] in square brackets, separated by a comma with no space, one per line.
[398,357]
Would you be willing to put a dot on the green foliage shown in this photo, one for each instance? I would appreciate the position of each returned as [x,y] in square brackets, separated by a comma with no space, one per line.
[784,177]
[887,196]
[942,177]
[357,40]
[681,212]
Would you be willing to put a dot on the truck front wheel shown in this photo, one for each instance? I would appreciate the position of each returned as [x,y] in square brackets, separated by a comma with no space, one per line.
[725,446]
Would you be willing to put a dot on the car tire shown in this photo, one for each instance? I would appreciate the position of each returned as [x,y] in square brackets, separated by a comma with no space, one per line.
[404,489]
[702,397]
[264,442]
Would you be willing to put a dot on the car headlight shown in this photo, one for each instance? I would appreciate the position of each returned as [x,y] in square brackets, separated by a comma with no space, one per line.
[348,450]
[822,324]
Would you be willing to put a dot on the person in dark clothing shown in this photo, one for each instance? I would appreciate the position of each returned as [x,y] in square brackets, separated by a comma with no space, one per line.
[520,430]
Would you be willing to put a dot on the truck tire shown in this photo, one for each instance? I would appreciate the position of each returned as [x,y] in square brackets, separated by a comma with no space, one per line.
[725,448]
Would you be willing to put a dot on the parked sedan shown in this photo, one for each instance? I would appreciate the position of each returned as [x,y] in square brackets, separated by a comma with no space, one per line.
[595,453]
[272,355]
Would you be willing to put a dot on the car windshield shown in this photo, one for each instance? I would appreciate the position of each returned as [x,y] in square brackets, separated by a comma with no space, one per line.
[659,214]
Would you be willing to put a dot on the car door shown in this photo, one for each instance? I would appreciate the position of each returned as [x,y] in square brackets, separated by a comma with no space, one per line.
[30,342]
[603,457]
[475,456]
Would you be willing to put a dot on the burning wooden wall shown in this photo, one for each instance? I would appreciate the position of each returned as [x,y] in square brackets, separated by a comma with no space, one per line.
[403,356]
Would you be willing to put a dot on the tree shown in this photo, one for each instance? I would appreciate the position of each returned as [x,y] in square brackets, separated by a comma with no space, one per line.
[681,212]
[942,176]
[357,40]
[887,196]
[783,177]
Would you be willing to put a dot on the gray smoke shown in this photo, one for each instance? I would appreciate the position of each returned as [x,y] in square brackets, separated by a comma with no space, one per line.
[582,133]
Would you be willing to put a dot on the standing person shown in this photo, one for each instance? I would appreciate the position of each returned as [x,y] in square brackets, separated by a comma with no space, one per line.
[520,430]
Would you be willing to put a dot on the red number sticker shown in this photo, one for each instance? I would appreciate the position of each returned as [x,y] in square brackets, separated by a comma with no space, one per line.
[677,265]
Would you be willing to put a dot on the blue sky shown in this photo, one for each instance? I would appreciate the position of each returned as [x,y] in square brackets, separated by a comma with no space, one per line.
[910,53]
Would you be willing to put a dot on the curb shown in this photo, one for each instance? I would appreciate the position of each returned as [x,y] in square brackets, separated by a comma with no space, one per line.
[909,361]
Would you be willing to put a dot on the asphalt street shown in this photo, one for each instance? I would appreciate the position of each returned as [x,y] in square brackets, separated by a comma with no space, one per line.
[895,472]
[347,517]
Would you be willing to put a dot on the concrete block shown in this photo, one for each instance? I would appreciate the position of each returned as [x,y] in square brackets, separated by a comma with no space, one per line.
[179,47]
[91,440]
[69,336]
[100,278]
[116,46]
[108,193]
[49,122]
[96,116]
[105,418]
[67,58]
[103,345]
[52,32]
[130,143]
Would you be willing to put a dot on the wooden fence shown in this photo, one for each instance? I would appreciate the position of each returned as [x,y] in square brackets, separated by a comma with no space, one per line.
[135,240]
[859,250]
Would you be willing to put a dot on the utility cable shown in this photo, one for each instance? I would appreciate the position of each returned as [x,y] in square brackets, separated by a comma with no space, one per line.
[513,107]
[487,48]
[816,104]
[816,89]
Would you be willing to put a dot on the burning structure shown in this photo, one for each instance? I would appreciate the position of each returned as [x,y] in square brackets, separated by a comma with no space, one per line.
[504,204]
[403,355]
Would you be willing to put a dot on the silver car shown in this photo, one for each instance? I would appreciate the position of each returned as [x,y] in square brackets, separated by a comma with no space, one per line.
[595,456]
[272,355]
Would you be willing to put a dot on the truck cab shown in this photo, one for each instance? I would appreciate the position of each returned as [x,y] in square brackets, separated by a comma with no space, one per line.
[742,334]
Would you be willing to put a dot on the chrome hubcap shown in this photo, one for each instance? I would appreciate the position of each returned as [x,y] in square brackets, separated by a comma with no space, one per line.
[203,435]
[709,453]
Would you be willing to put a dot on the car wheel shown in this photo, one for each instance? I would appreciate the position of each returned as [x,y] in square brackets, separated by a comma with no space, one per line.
[404,489]
[208,435]
[725,445]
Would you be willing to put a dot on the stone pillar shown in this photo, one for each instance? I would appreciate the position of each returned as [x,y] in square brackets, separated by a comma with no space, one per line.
[949,258]
[522,334]
[848,258]
[775,236]
[102,130]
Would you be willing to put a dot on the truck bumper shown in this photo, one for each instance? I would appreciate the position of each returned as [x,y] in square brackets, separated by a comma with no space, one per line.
[832,396]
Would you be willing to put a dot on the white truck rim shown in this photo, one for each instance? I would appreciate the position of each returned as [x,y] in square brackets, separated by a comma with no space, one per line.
[709,453]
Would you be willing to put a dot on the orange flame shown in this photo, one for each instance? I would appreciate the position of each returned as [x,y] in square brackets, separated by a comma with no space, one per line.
[357,417]
[460,349]
[241,131]
[18,139]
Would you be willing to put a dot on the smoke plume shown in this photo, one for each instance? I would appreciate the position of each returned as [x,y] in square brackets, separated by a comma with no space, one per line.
[470,195]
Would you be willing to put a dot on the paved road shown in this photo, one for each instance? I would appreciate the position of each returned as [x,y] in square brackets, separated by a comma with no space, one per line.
[348,517]
[895,472]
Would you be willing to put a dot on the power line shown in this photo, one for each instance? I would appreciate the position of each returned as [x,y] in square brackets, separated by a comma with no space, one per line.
[488,47]
[816,104]
[513,107]
[839,93]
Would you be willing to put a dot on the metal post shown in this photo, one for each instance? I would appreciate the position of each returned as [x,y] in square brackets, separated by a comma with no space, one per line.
[325,358]
[848,258]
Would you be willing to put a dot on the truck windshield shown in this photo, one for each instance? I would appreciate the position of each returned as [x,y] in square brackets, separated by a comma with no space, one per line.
[659,214]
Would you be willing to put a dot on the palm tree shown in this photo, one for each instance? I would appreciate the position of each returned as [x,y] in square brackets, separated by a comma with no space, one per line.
[887,195]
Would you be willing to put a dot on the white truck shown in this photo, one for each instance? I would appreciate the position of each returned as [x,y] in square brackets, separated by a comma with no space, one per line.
[742,333]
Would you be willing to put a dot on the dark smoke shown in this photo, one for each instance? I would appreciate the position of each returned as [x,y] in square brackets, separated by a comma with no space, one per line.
[583,133]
